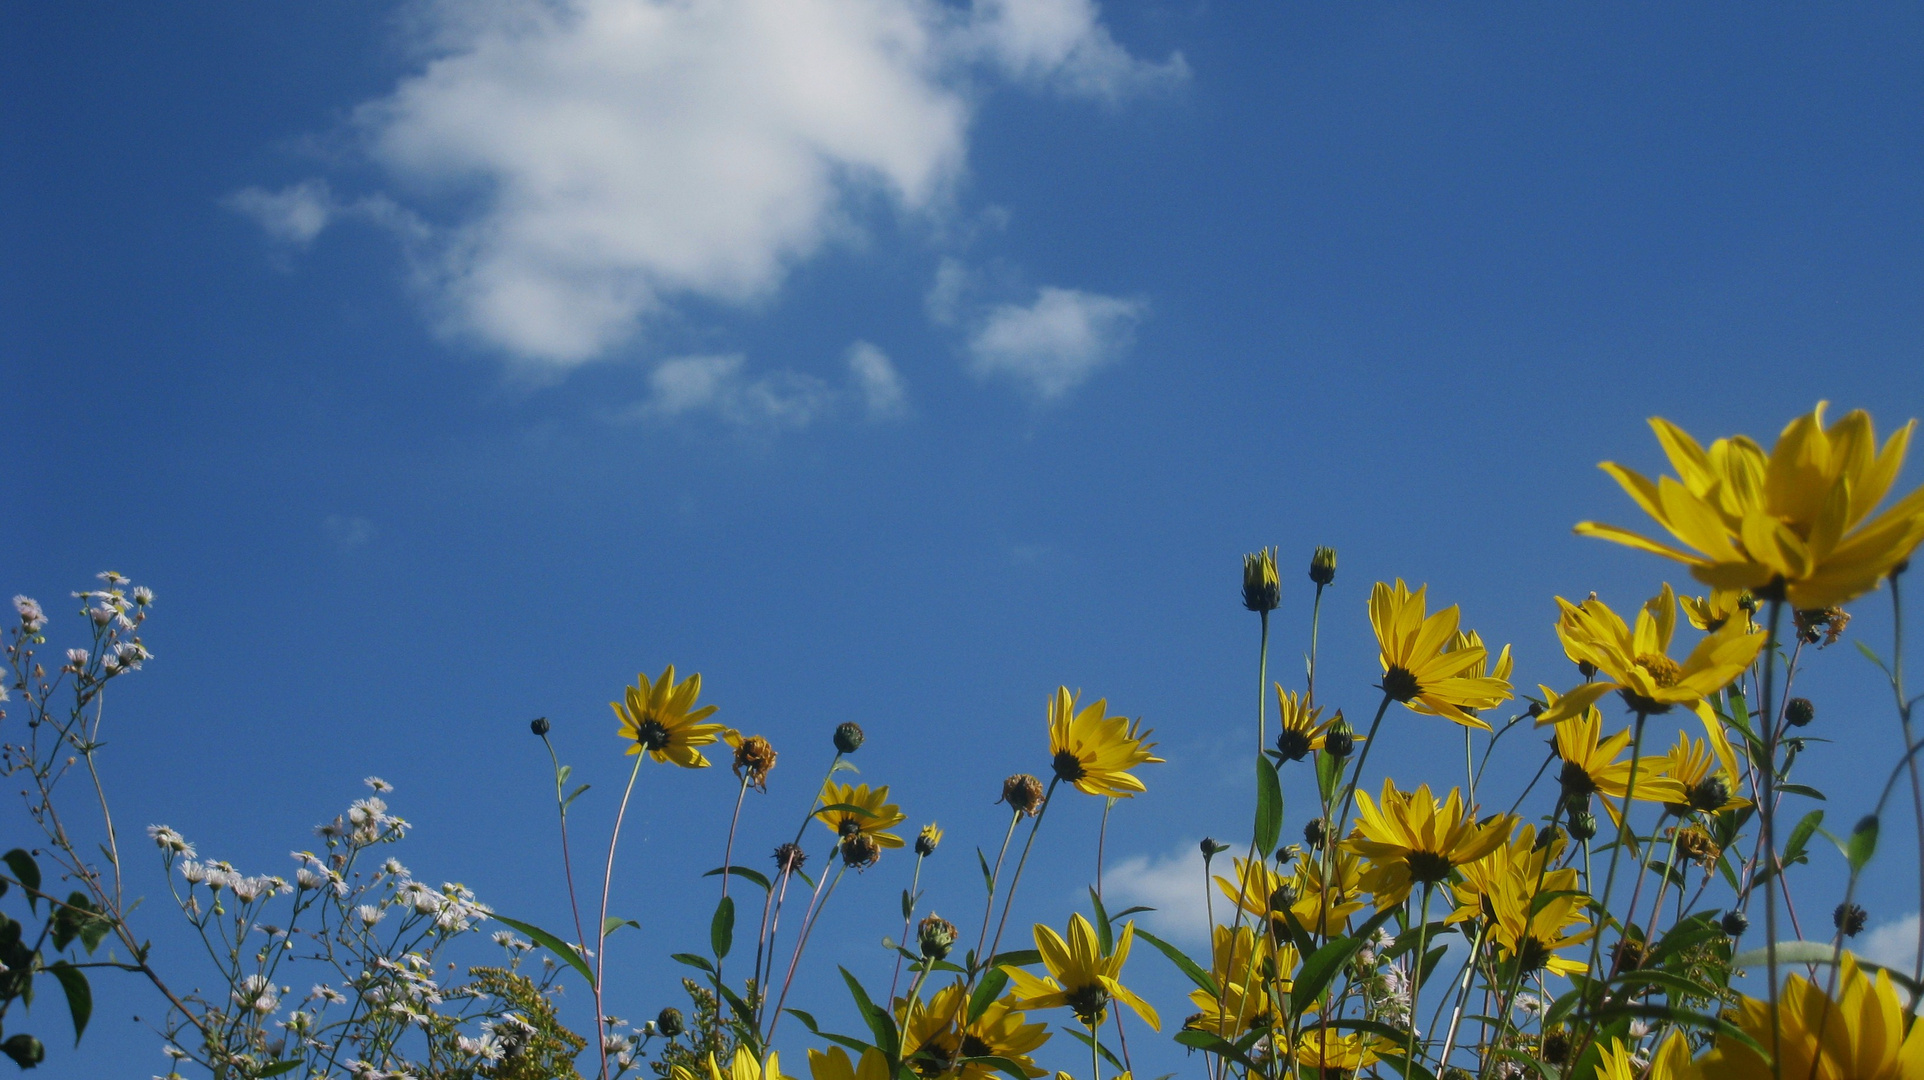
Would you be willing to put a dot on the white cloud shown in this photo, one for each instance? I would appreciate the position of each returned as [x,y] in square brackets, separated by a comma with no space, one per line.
[883,395]
[943,302]
[1053,345]
[1893,944]
[717,384]
[615,157]
[1172,884]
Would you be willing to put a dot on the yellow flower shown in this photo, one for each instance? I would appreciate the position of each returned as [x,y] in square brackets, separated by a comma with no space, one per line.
[1712,785]
[873,816]
[1863,1037]
[1249,967]
[1080,977]
[1262,590]
[1549,929]
[656,719]
[1411,838]
[1470,639]
[1095,752]
[743,1067]
[1301,728]
[1419,667]
[1518,858]
[1672,1061]
[928,839]
[835,1065]
[1710,613]
[1330,1053]
[1590,765]
[936,1039]
[1637,663]
[1800,515]
[1313,905]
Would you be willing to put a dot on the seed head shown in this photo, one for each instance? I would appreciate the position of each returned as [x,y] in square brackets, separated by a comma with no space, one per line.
[1799,712]
[668,1022]
[1849,918]
[1315,831]
[1023,793]
[1322,565]
[848,737]
[936,936]
[1709,794]
[753,760]
[860,851]
[1735,923]
[790,858]
[539,725]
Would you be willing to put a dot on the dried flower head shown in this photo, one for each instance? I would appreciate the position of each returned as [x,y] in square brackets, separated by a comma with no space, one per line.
[860,851]
[1023,793]
[754,758]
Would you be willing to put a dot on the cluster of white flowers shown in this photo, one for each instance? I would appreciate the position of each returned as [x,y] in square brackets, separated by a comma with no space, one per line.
[218,874]
[258,993]
[1385,986]
[366,822]
[32,619]
[169,840]
[362,1070]
[486,1047]
[315,873]
[454,907]
[125,656]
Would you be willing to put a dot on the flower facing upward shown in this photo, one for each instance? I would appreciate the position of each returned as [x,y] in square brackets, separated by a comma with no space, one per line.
[1262,589]
[1301,728]
[1637,663]
[1080,977]
[1412,838]
[856,810]
[1094,751]
[1590,765]
[1418,666]
[1799,516]
[938,1039]
[1861,1036]
[658,718]
[1248,967]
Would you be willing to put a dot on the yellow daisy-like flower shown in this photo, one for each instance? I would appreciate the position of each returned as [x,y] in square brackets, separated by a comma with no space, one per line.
[1799,516]
[1419,667]
[658,718]
[1864,1037]
[1332,1053]
[1095,751]
[1711,613]
[1671,1062]
[1080,977]
[1317,909]
[937,1040]
[1590,765]
[835,1065]
[1637,663]
[873,815]
[1538,938]
[1250,968]
[1519,859]
[744,1066]
[1412,838]
[1301,727]
[1711,781]
[1470,639]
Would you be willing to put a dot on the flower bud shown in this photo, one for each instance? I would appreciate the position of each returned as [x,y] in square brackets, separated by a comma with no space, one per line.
[1212,847]
[1340,739]
[1550,835]
[539,725]
[1322,565]
[936,936]
[1735,923]
[1709,794]
[1315,832]
[1849,918]
[1583,825]
[1799,712]
[1283,897]
[927,840]
[1023,793]
[1262,590]
[668,1022]
[848,737]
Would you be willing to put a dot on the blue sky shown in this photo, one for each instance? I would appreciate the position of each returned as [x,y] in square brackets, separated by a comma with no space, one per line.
[889,361]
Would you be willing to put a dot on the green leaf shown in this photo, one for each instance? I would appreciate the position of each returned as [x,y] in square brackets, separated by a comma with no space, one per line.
[1411,1070]
[1818,952]
[1799,836]
[1105,933]
[80,997]
[1000,1064]
[846,808]
[1269,806]
[908,904]
[615,922]
[742,872]
[808,1022]
[562,774]
[553,944]
[1214,1044]
[693,961]
[988,876]
[1316,973]
[1801,789]
[281,1067]
[1085,1039]
[573,795]
[1724,1029]
[1871,656]
[27,873]
[1329,769]
[1203,980]
[1016,958]
[880,1023]
[1863,842]
[721,928]
[986,992]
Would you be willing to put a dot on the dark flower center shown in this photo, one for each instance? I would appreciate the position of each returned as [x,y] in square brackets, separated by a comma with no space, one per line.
[1293,744]
[1400,685]
[652,734]
[1709,794]
[1090,1004]
[974,1047]
[1533,955]
[848,827]
[1428,867]
[1640,704]
[1068,766]
[1575,780]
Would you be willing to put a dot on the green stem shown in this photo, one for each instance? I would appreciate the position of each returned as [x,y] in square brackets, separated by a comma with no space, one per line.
[601,924]
[1767,832]
[1416,967]
[1008,898]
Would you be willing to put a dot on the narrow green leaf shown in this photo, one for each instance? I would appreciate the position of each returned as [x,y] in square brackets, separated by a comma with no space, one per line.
[1202,978]
[573,795]
[693,961]
[1863,842]
[1818,952]
[908,904]
[1316,973]
[721,929]
[808,1021]
[1871,655]
[845,808]
[615,922]
[1016,958]
[562,774]
[742,872]
[1000,1064]
[988,876]
[880,1023]
[80,997]
[1105,933]
[280,1068]
[1269,806]
[562,950]
[1799,836]
[1214,1044]
[1329,769]
[986,992]
[1802,789]
[26,872]
[1084,1038]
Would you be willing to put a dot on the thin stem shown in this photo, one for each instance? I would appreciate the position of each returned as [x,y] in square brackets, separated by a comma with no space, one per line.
[1349,796]
[1766,817]
[1262,690]
[1008,898]
[1910,741]
[567,863]
[1095,1061]
[801,942]
[1462,997]
[915,884]
[728,856]
[1102,838]
[1416,967]
[988,907]
[1315,625]
[601,924]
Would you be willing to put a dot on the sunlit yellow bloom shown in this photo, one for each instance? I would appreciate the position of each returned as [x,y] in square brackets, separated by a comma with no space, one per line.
[937,1040]
[1711,785]
[1711,613]
[835,1065]
[1518,858]
[1418,665]
[1800,515]
[1864,1036]
[656,719]
[1559,922]
[742,1067]
[1317,909]
[1249,968]
[1412,838]
[1080,977]
[874,815]
[1590,765]
[1300,727]
[1095,752]
[1470,639]
[1331,1052]
[1672,1061]
[1637,663]
[928,839]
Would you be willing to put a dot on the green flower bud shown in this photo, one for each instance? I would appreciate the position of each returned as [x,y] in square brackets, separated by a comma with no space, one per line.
[1262,590]
[1799,712]
[936,936]
[1322,565]
[848,737]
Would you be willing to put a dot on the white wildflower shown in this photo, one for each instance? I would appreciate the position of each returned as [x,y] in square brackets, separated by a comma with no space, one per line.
[77,658]
[369,914]
[378,784]
[31,617]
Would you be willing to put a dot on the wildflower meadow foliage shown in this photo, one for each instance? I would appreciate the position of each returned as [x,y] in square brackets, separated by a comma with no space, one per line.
[1604,908]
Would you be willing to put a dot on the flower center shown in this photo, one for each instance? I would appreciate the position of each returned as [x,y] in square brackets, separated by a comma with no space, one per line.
[652,734]
[1068,766]
[1090,1004]
[1575,780]
[1428,867]
[1663,670]
[974,1047]
[1399,684]
[1533,955]
[1293,744]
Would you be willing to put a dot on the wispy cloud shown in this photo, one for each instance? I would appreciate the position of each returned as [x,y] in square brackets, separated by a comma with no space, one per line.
[1055,344]
[721,386]
[1172,884]
[1894,944]
[880,386]
[613,158]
